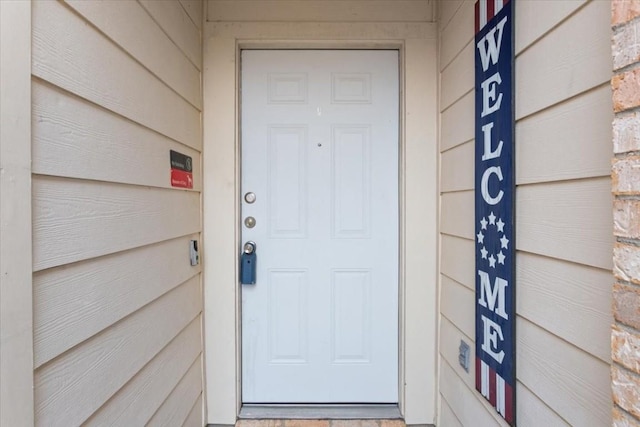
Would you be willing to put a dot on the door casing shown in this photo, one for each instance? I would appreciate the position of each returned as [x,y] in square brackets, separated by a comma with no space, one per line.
[418,203]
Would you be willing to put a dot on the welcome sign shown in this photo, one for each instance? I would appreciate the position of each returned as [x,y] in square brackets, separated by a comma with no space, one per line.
[494,205]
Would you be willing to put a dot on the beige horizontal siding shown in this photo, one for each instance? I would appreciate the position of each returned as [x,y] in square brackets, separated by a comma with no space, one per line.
[447,417]
[321,11]
[194,9]
[74,302]
[446,11]
[457,204]
[79,139]
[528,31]
[457,259]
[570,381]
[177,23]
[117,306]
[572,300]
[567,220]
[457,168]
[456,122]
[456,33]
[176,408]
[468,409]
[533,412]
[456,80]
[557,145]
[74,220]
[141,397]
[563,214]
[74,385]
[567,61]
[451,336]
[94,70]
[129,25]
[452,295]
[194,419]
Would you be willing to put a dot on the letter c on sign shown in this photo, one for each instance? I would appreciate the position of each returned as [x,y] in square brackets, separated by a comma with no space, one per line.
[484,185]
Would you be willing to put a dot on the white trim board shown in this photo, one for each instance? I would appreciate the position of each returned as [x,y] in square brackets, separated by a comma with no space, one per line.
[16,306]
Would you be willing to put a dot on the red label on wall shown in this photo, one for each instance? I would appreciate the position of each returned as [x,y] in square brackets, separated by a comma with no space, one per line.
[181,170]
[182,179]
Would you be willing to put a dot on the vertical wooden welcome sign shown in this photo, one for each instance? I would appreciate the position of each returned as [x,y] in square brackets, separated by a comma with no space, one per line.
[494,205]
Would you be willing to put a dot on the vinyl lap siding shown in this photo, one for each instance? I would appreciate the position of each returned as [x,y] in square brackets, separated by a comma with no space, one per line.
[320,11]
[117,306]
[564,242]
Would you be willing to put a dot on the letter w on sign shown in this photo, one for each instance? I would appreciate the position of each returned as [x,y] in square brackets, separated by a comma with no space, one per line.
[494,205]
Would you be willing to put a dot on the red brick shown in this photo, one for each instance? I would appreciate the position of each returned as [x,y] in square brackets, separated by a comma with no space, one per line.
[626,218]
[624,11]
[626,305]
[626,45]
[626,133]
[626,90]
[622,419]
[626,390]
[625,348]
[626,262]
[625,176]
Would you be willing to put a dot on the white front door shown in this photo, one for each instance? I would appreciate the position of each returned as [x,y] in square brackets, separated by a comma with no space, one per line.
[320,152]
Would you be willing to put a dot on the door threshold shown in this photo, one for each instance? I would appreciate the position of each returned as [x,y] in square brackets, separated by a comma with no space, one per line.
[322,412]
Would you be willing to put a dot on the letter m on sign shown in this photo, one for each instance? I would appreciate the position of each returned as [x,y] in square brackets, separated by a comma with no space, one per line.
[494,205]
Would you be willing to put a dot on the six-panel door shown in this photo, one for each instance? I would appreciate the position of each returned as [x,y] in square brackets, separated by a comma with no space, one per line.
[319,132]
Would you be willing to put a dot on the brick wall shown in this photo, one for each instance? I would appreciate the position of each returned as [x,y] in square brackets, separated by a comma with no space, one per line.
[625,336]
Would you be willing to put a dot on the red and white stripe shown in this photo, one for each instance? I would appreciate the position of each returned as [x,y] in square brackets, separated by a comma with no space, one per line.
[495,389]
[487,9]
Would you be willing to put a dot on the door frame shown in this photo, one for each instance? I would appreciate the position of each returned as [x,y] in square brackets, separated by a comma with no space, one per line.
[418,275]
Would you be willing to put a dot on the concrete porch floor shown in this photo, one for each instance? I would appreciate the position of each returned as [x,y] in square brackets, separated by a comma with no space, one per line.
[321,423]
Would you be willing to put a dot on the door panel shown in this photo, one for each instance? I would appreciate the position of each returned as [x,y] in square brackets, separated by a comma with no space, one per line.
[320,151]
[350,179]
[287,184]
